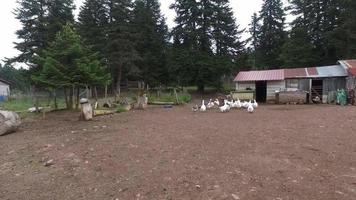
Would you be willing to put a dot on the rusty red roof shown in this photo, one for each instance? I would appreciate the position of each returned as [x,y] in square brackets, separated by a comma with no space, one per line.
[292,73]
[263,75]
[281,74]
[350,65]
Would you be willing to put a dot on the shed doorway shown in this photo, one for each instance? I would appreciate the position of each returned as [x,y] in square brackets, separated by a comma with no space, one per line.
[261,91]
[317,89]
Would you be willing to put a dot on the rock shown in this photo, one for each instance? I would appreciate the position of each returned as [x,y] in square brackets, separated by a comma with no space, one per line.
[49,163]
[235,196]
[9,122]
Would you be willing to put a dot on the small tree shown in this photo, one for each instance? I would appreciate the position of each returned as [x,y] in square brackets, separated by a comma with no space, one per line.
[69,65]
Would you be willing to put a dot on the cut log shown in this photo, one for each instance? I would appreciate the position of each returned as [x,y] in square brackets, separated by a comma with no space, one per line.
[9,122]
[142,102]
[86,111]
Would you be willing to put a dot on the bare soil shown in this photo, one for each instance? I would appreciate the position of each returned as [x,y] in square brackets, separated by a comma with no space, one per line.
[277,153]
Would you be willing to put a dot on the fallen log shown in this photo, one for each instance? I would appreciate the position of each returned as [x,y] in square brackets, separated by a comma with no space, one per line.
[9,122]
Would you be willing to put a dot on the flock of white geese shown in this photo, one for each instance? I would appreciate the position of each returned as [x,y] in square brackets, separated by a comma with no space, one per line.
[250,106]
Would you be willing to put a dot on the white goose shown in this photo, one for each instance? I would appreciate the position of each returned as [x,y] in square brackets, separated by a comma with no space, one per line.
[210,104]
[238,103]
[202,107]
[224,108]
[250,108]
[255,104]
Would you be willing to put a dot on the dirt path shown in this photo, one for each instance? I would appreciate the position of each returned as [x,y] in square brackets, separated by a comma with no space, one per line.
[277,153]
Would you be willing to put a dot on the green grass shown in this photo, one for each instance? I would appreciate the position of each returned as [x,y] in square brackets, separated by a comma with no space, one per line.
[120,109]
[23,104]
[170,97]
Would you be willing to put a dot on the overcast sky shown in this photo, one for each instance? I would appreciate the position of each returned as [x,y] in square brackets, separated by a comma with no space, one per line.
[243,10]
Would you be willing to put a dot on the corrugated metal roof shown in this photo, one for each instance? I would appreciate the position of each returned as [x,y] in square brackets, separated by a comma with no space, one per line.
[331,71]
[350,65]
[263,75]
[292,73]
[281,74]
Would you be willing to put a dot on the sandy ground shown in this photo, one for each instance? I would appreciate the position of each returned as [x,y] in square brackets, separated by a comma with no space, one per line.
[277,153]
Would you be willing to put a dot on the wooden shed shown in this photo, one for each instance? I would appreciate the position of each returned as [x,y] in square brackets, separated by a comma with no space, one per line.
[264,83]
[322,82]
[4,89]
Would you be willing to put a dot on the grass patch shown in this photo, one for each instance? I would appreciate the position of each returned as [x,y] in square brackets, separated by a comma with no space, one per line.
[21,105]
[121,109]
[170,97]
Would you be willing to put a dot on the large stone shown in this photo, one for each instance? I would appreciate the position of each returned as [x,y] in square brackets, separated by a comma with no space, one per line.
[9,122]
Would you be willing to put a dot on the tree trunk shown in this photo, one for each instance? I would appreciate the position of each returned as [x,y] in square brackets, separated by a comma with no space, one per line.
[201,88]
[70,100]
[55,99]
[77,99]
[96,93]
[106,92]
[66,97]
[118,83]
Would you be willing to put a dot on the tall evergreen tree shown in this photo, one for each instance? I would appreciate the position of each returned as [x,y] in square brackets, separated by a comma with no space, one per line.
[40,20]
[225,31]
[60,12]
[272,34]
[206,38]
[93,22]
[298,51]
[32,35]
[321,19]
[151,41]
[69,65]
[121,53]
[254,40]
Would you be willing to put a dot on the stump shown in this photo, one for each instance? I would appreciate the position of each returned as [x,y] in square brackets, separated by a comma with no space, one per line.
[142,102]
[9,122]
[86,111]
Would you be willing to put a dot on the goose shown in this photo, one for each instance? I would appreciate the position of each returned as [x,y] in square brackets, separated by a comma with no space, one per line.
[202,107]
[195,108]
[224,108]
[244,104]
[250,108]
[255,104]
[216,102]
[210,104]
[238,103]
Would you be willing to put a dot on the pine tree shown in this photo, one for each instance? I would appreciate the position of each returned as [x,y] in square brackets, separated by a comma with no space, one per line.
[40,20]
[206,39]
[322,19]
[60,12]
[69,65]
[151,41]
[272,34]
[121,53]
[93,21]
[32,35]
[225,31]
[298,51]
[254,40]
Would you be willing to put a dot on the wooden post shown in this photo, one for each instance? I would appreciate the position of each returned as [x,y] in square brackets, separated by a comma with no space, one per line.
[86,111]
[176,95]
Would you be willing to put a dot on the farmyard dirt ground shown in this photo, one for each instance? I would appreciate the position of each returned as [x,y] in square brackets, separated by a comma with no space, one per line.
[277,153]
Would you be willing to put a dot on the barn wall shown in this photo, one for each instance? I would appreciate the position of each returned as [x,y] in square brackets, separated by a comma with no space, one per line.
[272,87]
[245,85]
[351,82]
[4,89]
[330,87]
